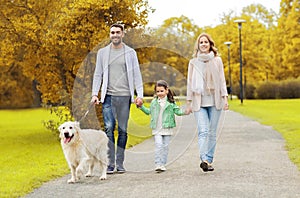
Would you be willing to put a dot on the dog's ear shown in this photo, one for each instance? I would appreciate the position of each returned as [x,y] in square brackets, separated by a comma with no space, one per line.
[77,126]
[60,133]
[59,128]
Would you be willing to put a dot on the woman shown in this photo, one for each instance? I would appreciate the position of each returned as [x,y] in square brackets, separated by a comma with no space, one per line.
[206,95]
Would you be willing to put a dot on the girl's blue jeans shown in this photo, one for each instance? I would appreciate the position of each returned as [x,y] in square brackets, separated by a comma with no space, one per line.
[161,149]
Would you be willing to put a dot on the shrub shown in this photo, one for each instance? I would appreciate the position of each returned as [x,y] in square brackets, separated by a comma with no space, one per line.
[149,89]
[279,90]
[250,91]
[268,90]
[236,90]
[289,89]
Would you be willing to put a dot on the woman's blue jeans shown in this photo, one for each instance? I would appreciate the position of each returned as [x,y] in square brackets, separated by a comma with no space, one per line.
[115,109]
[207,122]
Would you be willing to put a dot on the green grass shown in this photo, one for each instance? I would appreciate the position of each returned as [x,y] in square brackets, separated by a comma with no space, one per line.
[138,127]
[282,115]
[31,155]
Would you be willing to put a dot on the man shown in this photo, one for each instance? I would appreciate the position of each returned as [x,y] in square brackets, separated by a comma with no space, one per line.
[118,70]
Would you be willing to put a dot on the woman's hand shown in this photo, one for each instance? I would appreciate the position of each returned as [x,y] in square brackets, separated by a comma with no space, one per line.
[188,108]
[226,105]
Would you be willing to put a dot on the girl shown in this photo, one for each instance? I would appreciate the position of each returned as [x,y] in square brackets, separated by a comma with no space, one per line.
[162,110]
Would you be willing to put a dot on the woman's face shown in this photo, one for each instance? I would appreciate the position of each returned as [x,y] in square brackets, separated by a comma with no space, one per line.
[204,45]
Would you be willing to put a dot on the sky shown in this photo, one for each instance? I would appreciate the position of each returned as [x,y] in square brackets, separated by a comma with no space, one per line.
[203,13]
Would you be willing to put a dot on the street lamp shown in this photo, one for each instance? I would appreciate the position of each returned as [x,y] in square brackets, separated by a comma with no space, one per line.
[239,22]
[228,43]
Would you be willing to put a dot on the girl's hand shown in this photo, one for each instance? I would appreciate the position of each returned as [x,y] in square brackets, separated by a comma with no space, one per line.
[187,111]
[138,102]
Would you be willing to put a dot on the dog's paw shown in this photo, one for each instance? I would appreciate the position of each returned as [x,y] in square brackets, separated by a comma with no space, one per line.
[88,175]
[71,181]
[103,177]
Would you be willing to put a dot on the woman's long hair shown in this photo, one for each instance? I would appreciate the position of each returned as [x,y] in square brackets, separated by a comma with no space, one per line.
[211,42]
[163,83]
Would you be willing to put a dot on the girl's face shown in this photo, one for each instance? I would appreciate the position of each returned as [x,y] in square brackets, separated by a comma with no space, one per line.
[161,92]
[204,45]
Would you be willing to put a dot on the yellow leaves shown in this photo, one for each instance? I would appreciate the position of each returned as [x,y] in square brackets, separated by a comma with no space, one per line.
[49,39]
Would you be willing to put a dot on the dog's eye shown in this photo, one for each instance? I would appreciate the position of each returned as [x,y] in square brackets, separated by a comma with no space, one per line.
[71,127]
[63,128]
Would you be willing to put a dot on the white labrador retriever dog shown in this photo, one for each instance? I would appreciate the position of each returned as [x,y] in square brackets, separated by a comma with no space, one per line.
[83,147]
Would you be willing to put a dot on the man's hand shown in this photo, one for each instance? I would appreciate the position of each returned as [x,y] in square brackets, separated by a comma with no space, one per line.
[138,102]
[95,100]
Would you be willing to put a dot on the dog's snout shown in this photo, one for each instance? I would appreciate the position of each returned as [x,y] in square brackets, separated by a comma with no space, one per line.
[66,134]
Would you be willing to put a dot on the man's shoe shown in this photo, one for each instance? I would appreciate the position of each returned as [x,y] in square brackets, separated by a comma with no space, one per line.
[121,170]
[110,170]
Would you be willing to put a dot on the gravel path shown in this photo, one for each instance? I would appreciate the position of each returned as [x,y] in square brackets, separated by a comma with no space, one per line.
[250,161]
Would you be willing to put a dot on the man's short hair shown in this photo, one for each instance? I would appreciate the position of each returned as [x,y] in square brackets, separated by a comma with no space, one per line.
[117,25]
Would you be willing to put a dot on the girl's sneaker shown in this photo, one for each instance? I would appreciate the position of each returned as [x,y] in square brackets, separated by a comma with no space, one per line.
[160,168]
[163,168]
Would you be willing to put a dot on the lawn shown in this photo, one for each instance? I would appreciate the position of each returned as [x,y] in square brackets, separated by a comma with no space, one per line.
[31,155]
[282,115]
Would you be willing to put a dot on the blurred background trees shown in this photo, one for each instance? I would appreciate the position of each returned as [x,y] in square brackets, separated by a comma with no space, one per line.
[48,48]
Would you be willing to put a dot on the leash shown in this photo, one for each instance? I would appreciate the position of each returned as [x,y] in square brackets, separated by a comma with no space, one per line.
[85,114]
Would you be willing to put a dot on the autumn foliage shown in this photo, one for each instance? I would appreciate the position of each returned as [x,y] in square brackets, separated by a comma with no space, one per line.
[48,47]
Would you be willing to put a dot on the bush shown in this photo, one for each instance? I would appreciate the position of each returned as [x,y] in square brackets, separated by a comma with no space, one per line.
[250,92]
[289,89]
[236,90]
[279,90]
[179,91]
[149,89]
[268,90]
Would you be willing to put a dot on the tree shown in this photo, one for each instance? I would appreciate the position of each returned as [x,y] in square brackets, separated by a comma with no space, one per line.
[291,52]
[174,47]
[50,41]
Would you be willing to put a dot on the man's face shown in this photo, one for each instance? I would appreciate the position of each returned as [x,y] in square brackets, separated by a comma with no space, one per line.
[116,35]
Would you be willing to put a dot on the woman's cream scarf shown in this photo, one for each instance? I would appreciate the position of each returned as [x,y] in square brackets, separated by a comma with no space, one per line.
[202,72]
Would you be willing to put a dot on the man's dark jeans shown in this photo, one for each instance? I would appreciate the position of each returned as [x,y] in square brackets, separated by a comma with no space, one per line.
[115,109]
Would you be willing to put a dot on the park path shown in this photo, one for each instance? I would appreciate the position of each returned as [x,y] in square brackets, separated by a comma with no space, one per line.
[250,161]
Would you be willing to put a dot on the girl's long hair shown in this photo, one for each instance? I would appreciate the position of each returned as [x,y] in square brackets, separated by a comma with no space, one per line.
[163,83]
[211,42]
